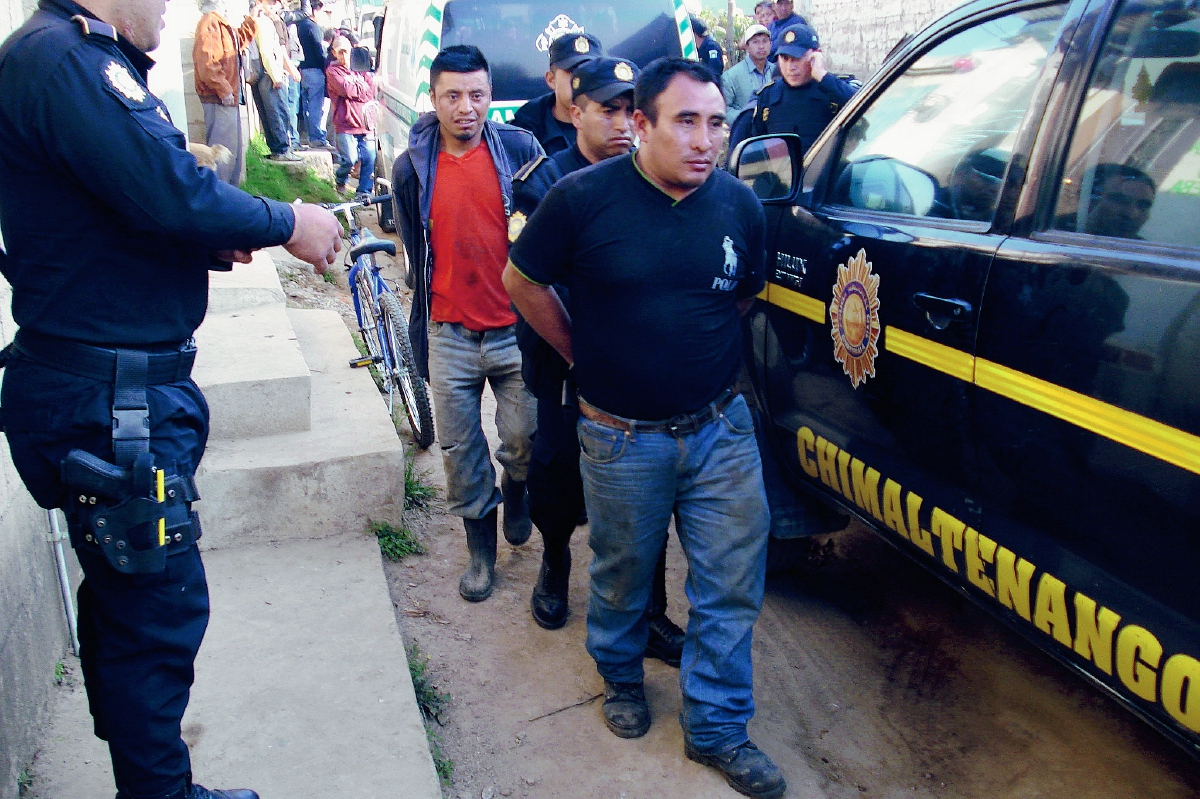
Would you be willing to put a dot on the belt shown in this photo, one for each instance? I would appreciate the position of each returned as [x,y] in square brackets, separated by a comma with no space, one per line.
[100,363]
[682,425]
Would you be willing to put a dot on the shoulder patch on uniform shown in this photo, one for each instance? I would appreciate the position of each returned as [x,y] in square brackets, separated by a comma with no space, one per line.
[94,27]
[124,83]
[516,223]
[524,172]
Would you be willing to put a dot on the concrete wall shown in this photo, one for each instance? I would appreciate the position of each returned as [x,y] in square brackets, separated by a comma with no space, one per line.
[857,37]
[33,630]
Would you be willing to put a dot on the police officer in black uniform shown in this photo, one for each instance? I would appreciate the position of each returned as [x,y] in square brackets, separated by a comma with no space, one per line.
[803,97]
[548,117]
[110,230]
[602,113]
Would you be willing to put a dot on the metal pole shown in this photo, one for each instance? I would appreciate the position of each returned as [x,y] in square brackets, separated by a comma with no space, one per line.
[729,39]
[64,582]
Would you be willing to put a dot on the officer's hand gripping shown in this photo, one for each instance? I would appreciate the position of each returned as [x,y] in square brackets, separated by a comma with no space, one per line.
[317,237]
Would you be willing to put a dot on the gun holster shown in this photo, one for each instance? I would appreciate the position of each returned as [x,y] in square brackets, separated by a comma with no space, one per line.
[120,511]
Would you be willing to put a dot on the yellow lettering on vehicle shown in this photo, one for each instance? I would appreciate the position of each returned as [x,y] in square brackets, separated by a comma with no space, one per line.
[893,511]
[1138,653]
[865,482]
[1094,628]
[950,531]
[806,442]
[827,462]
[1012,582]
[1181,690]
[843,462]
[1050,609]
[978,550]
[916,533]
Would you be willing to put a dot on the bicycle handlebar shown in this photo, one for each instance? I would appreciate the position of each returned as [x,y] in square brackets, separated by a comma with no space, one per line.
[339,208]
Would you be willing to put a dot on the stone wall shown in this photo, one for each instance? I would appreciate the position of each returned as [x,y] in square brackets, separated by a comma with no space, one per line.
[856,38]
[33,630]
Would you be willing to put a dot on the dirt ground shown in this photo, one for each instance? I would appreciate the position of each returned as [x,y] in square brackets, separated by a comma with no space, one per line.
[872,679]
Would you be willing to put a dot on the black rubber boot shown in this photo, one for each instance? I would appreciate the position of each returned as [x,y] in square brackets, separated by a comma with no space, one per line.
[665,641]
[549,601]
[480,577]
[517,526]
[200,792]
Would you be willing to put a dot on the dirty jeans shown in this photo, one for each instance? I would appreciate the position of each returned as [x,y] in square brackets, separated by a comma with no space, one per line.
[460,362]
[712,478]
[356,147]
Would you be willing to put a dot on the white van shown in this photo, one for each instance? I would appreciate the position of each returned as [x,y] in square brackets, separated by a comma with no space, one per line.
[515,38]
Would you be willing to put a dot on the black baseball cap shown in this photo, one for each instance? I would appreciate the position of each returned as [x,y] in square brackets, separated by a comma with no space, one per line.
[602,79]
[796,40]
[572,49]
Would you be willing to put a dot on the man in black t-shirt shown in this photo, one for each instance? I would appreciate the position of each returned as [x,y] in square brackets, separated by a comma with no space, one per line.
[602,112]
[660,255]
[548,117]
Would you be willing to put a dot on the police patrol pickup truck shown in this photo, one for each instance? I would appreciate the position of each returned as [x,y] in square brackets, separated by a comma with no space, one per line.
[981,332]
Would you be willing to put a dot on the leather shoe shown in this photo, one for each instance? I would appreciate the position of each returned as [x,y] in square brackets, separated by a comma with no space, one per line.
[665,641]
[549,601]
[746,768]
[626,712]
[200,792]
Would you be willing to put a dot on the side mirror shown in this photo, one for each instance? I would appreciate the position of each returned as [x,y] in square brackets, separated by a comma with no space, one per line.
[770,166]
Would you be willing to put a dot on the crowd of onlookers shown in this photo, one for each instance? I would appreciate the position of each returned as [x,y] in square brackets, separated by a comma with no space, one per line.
[311,90]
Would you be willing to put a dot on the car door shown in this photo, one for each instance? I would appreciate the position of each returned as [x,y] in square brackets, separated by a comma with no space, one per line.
[873,302]
[1089,368]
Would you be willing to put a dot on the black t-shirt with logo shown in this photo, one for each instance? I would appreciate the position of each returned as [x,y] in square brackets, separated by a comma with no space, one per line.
[654,283]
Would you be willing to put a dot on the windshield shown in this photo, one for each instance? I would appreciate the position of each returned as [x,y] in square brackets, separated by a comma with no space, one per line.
[515,37]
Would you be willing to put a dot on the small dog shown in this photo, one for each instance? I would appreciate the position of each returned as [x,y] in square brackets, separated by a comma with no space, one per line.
[210,156]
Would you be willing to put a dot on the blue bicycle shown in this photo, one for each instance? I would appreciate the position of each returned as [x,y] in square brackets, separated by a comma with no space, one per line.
[382,323]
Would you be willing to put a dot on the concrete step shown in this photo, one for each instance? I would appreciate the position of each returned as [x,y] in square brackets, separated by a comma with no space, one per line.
[246,286]
[348,468]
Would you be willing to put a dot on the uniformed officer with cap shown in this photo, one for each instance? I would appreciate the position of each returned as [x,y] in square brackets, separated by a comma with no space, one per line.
[802,98]
[110,230]
[548,117]
[602,113]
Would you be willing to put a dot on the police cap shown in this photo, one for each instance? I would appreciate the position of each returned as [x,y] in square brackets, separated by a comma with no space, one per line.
[796,41]
[602,79]
[572,49]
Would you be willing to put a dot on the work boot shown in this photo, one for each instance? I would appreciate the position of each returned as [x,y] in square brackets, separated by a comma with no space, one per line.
[746,768]
[626,712]
[549,601]
[479,579]
[517,526]
[194,791]
[666,639]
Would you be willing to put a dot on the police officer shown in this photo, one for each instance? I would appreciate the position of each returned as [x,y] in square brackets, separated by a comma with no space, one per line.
[548,117]
[110,230]
[602,113]
[803,97]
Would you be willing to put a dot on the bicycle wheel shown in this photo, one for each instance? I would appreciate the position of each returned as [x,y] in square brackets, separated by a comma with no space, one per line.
[402,373]
[368,313]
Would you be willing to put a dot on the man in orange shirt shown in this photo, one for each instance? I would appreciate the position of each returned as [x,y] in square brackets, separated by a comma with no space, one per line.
[216,54]
[453,196]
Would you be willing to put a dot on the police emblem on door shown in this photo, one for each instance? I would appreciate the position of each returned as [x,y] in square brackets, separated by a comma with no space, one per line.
[854,316]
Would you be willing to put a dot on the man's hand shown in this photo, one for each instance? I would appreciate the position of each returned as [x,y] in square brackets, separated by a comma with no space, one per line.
[317,237]
[236,256]
[816,60]
[229,100]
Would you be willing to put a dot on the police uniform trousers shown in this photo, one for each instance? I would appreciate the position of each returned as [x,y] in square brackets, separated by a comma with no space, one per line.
[138,633]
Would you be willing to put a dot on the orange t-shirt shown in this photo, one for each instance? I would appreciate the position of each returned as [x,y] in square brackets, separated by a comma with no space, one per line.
[469,236]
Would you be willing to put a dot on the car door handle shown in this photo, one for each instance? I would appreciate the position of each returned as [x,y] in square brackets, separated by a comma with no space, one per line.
[941,311]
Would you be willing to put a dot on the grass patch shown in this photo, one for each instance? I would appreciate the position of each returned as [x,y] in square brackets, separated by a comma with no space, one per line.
[417,492]
[60,672]
[431,703]
[25,781]
[268,179]
[330,277]
[396,545]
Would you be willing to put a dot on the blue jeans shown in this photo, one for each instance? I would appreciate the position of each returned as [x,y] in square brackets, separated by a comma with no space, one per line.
[271,113]
[366,153]
[292,97]
[712,479]
[460,362]
[312,104]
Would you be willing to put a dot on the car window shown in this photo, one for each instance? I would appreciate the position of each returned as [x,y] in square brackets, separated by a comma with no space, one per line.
[937,141]
[1133,169]
[516,36]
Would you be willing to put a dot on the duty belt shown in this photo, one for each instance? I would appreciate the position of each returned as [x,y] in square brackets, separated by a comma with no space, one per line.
[100,363]
[681,425]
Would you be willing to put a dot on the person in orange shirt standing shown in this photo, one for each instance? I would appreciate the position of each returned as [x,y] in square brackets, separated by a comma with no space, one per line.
[217,56]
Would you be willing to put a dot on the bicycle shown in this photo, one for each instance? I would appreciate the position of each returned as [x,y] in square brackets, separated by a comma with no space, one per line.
[382,324]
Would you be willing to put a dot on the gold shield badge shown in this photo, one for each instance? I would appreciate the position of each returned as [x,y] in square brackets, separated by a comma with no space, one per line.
[582,45]
[516,223]
[623,72]
[120,79]
[789,37]
[854,318]
[766,112]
